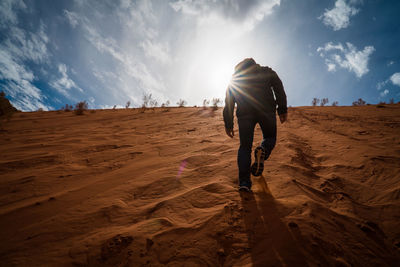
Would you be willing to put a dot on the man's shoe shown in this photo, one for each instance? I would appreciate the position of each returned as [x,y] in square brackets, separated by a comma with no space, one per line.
[258,166]
[244,188]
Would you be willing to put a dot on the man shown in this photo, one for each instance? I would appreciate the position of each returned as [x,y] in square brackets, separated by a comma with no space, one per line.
[258,93]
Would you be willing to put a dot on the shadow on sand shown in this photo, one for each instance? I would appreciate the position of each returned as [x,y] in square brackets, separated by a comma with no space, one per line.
[270,240]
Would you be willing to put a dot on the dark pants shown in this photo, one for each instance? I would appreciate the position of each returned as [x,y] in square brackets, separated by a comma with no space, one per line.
[246,132]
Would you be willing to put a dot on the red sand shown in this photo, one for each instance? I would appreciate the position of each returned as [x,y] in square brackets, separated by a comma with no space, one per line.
[103,189]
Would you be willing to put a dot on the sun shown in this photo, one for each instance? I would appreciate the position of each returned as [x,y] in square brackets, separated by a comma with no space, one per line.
[221,73]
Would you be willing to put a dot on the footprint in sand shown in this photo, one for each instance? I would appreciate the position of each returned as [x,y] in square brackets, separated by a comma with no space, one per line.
[114,246]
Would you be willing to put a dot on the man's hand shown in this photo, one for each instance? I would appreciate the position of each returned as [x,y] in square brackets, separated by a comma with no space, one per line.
[283,117]
[229,132]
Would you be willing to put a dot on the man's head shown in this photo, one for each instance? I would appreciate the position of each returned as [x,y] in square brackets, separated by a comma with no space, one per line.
[245,64]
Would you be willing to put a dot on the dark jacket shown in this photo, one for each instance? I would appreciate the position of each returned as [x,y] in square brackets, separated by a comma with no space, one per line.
[255,90]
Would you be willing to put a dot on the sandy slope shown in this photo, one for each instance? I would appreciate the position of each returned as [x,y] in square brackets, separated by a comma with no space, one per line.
[124,188]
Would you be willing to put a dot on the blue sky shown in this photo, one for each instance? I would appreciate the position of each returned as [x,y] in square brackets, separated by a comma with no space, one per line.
[110,52]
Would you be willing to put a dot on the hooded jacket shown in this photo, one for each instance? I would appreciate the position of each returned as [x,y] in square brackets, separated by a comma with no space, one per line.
[256,90]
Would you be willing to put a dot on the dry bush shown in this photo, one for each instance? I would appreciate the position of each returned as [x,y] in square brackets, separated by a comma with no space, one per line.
[67,108]
[215,103]
[391,101]
[153,103]
[205,103]
[127,104]
[324,101]
[147,98]
[80,107]
[315,101]
[359,102]
[181,103]
[165,106]
[335,103]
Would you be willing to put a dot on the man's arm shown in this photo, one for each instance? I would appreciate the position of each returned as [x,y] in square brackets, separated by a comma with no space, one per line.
[228,111]
[279,92]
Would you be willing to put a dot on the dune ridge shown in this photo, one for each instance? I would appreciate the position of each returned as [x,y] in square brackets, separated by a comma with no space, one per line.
[125,188]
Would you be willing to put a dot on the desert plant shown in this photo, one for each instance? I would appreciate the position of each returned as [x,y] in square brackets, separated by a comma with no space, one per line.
[147,98]
[391,101]
[153,103]
[181,103]
[80,107]
[205,103]
[40,110]
[359,102]
[335,103]
[215,103]
[165,106]
[315,101]
[127,104]
[67,108]
[324,101]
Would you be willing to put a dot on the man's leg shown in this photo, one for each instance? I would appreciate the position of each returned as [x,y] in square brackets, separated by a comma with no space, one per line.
[246,132]
[268,128]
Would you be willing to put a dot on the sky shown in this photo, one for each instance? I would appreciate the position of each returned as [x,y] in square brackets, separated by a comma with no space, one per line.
[109,52]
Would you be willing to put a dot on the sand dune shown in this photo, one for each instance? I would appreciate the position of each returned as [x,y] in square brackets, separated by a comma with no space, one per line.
[125,188]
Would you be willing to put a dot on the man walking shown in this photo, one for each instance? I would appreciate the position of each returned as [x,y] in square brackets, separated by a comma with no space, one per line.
[258,93]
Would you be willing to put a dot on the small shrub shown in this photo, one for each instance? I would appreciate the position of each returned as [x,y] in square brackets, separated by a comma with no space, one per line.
[40,110]
[205,103]
[67,108]
[315,101]
[80,107]
[215,103]
[165,106]
[127,104]
[324,101]
[391,101]
[181,103]
[147,98]
[114,107]
[153,103]
[359,102]
[335,104]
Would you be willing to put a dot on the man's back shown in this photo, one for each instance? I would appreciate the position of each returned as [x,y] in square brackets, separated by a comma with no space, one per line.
[253,89]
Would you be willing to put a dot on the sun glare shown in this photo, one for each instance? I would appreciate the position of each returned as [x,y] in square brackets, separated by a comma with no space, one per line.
[213,54]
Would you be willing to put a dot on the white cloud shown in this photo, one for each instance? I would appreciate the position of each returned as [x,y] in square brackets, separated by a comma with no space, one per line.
[18,48]
[384,93]
[25,96]
[72,17]
[390,63]
[339,16]
[346,57]
[64,83]
[158,51]
[8,9]
[395,78]
[380,85]
[331,67]
[28,45]
[247,13]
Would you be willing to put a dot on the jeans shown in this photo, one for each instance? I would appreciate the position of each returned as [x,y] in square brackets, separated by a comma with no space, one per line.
[247,124]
